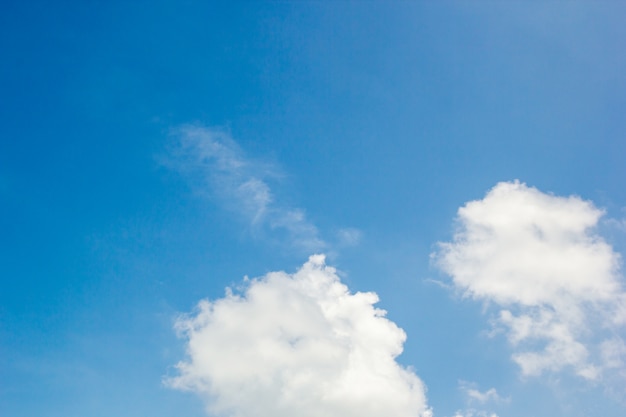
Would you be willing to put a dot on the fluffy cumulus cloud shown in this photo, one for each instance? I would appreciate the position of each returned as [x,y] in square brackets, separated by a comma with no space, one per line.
[297,345]
[555,281]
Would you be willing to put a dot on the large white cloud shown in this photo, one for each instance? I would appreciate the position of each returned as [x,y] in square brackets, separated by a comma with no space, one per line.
[556,282]
[298,345]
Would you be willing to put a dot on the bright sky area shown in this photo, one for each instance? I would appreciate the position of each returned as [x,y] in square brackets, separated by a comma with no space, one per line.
[312,209]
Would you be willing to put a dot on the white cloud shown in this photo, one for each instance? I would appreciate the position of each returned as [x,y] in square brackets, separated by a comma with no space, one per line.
[482,397]
[213,160]
[556,282]
[475,395]
[298,345]
[474,413]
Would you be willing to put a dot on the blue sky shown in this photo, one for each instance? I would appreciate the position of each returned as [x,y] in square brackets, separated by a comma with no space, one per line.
[154,153]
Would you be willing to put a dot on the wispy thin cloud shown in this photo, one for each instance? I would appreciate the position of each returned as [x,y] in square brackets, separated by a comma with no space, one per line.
[474,413]
[617,224]
[218,167]
[477,401]
[474,395]
[349,236]
[556,282]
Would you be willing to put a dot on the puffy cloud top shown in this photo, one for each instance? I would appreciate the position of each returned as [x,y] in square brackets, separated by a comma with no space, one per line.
[537,256]
[519,245]
[298,344]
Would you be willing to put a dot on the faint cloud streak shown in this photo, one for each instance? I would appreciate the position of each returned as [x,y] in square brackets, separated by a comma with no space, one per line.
[216,166]
[475,395]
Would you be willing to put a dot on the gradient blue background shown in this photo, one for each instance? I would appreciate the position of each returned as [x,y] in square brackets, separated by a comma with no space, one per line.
[385,116]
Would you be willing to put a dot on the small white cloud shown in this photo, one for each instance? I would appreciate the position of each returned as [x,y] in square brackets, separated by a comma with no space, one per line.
[556,281]
[214,161]
[474,396]
[474,413]
[298,345]
[477,396]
